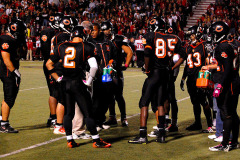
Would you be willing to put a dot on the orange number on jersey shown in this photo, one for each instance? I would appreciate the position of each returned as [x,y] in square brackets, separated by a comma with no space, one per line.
[70,55]
[190,63]
[161,47]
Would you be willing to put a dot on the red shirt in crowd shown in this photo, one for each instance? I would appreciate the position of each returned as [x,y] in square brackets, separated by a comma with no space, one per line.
[3,19]
[30,44]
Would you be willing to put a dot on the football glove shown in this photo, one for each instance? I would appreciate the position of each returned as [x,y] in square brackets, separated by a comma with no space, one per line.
[17,76]
[182,84]
[217,91]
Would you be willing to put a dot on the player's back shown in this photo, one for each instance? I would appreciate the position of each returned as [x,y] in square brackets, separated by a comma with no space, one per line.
[163,46]
[74,56]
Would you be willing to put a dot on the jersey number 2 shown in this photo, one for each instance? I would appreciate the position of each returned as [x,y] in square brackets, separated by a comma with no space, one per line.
[69,57]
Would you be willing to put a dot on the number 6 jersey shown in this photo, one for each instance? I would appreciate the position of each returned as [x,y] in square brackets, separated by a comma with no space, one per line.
[162,46]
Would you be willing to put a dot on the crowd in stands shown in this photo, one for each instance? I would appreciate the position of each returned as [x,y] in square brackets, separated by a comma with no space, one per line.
[223,10]
[129,17]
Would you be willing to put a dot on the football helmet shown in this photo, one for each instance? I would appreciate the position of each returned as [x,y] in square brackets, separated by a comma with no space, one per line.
[106,25]
[192,30]
[54,20]
[156,24]
[67,23]
[78,31]
[16,28]
[219,30]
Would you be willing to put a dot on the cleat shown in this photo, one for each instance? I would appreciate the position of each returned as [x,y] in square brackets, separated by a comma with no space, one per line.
[194,127]
[139,140]
[209,130]
[212,136]
[53,123]
[101,144]
[125,123]
[161,136]
[112,122]
[172,128]
[99,128]
[72,144]
[234,146]
[218,139]
[7,129]
[220,148]
[59,130]
[82,136]
[0,118]
[161,139]
[153,134]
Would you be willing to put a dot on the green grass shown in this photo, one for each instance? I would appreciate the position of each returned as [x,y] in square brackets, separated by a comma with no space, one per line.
[30,113]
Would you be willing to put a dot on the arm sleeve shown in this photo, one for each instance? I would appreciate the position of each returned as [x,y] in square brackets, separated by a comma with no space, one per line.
[228,65]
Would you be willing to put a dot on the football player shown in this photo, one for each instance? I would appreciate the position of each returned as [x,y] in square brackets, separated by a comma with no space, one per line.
[9,73]
[74,55]
[227,91]
[46,36]
[158,52]
[66,25]
[196,59]
[102,91]
[121,44]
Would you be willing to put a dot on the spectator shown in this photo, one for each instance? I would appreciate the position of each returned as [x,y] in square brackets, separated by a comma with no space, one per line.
[30,49]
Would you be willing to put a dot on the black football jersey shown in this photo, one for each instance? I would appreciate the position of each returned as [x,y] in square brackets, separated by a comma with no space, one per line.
[8,44]
[163,47]
[196,56]
[74,57]
[224,56]
[46,37]
[105,52]
[59,38]
[119,41]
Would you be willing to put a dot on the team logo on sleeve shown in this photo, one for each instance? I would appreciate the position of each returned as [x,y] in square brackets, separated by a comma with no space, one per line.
[5,46]
[224,55]
[44,38]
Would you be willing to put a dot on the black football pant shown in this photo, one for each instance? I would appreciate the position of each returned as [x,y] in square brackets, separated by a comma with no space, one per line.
[118,83]
[155,84]
[198,97]
[227,103]
[76,91]
[140,58]
[102,98]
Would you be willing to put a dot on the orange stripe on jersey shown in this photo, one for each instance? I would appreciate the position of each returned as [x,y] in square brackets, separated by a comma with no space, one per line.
[148,47]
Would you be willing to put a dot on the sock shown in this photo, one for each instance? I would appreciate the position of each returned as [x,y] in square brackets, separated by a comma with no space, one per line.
[4,122]
[69,138]
[174,122]
[161,120]
[143,132]
[214,122]
[59,125]
[53,116]
[96,138]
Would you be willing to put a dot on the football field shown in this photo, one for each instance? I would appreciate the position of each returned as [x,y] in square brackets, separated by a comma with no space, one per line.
[34,141]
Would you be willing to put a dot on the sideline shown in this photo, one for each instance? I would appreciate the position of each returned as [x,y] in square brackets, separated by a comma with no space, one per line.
[59,138]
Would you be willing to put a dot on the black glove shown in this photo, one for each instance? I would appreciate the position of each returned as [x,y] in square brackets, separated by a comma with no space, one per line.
[17,76]
[123,68]
[182,85]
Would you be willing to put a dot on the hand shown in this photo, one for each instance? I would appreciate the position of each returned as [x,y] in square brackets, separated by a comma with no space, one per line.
[17,76]
[217,91]
[182,84]
[205,68]
[85,82]
[59,79]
